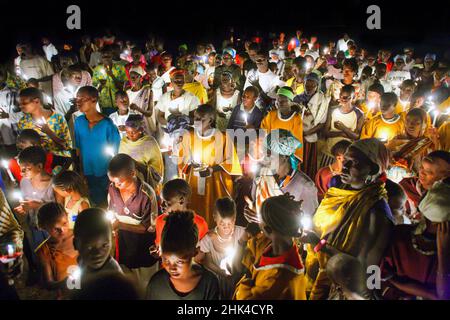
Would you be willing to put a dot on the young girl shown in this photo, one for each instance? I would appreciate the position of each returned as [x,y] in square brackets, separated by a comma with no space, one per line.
[72,191]
[181,278]
[56,254]
[36,188]
[217,248]
[279,272]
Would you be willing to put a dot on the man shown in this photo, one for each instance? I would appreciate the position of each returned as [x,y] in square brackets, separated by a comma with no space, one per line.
[96,136]
[49,49]
[166,67]
[264,80]
[342,43]
[109,78]
[435,166]
[228,65]
[35,66]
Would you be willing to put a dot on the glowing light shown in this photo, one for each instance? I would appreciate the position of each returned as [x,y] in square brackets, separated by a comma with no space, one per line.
[227,262]
[254,168]
[10,249]
[18,195]
[306,222]
[110,216]
[47,99]
[384,136]
[245,116]
[308,65]
[41,121]
[103,71]
[166,143]
[326,50]
[197,158]
[109,150]
[371,105]
[76,274]
[436,116]
[5,164]
[127,52]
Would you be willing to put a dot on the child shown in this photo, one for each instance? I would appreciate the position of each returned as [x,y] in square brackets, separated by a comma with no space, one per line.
[121,115]
[246,115]
[397,201]
[176,195]
[56,254]
[29,138]
[36,188]
[386,125]
[324,175]
[181,278]
[135,207]
[92,239]
[279,272]
[71,190]
[218,246]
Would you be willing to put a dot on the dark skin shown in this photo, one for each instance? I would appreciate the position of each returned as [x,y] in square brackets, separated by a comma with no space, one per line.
[311,88]
[345,107]
[107,61]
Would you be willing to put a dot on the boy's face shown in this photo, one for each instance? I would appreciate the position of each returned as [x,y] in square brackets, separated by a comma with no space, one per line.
[283,104]
[123,182]
[225,225]
[340,158]
[94,252]
[23,144]
[60,228]
[30,170]
[374,97]
[388,110]
[173,203]
[122,102]
[248,99]
[84,102]
[28,105]
[176,266]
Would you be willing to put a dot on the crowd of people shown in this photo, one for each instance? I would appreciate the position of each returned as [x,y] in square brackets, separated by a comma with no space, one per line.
[280,168]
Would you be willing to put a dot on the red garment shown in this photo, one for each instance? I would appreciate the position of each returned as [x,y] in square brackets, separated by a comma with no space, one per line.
[405,261]
[413,195]
[323,178]
[291,258]
[15,168]
[131,65]
[198,220]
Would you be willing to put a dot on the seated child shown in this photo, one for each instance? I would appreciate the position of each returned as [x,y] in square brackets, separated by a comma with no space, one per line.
[218,247]
[71,190]
[181,278]
[56,254]
[279,272]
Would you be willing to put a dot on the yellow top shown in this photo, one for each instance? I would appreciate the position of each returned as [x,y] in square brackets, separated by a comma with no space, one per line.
[298,88]
[379,128]
[444,136]
[197,89]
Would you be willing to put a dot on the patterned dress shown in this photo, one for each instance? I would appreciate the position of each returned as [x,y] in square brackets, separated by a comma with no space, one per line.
[107,96]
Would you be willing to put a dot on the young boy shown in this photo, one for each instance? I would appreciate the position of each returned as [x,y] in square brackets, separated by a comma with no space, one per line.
[181,278]
[246,115]
[371,107]
[121,115]
[176,195]
[386,125]
[93,134]
[56,254]
[92,239]
[135,207]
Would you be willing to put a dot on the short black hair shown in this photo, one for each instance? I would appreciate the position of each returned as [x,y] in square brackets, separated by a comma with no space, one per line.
[226,207]
[340,147]
[121,93]
[253,46]
[253,90]
[35,155]
[377,87]
[438,154]
[352,63]
[348,88]
[176,187]
[32,93]
[90,91]
[121,164]
[30,135]
[206,109]
[71,181]
[91,223]
[180,233]
[48,214]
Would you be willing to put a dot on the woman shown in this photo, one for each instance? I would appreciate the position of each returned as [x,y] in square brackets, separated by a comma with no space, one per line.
[354,217]
[141,99]
[409,148]
[144,150]
[224,99]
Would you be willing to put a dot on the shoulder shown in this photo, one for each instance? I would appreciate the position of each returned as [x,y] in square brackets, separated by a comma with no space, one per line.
[382,207]
[158,280]
[80,119]
[207,276]
[148,190]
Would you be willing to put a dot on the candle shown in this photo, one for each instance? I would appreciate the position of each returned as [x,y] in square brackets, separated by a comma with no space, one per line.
[5,164]
[75,274]
[371,105]
[325,50]
[11,251]
[254,168]
[41,121]
[110,215]
[103,71]
[308,65]
[109,150]
[306,222]
[18,195]
[383,136]
[227,262]
[245,116]
[436,116]
[197,158]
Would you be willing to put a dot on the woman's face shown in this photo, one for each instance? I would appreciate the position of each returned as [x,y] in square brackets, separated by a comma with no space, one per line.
[75,79]
[413,126]
[225,226]
[347,72]
[176,266]
[135,78]
[178,81]
[134,134]
[122,102]
[356,168]
[284,105]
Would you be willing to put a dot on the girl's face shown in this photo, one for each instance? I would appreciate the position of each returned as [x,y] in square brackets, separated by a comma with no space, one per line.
[413,126]
[133,134]
[225,226]
[177,266]
[60,228]
[63,193]
[30,170]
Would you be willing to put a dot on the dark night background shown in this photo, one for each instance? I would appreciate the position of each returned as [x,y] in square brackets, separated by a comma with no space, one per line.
[425,25]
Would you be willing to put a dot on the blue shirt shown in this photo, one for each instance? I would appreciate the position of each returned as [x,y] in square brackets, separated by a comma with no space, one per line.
[92,143]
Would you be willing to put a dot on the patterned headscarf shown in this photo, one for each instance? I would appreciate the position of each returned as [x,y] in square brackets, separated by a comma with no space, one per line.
[435,206]
[282,142]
